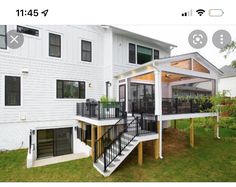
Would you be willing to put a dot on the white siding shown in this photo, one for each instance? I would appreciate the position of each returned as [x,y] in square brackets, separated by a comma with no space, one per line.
[38,87]
[228,84]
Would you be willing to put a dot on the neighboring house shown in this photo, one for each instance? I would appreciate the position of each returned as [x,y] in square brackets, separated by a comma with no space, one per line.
[227,81]
[45,83]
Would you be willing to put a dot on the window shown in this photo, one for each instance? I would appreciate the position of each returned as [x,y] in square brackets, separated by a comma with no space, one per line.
[156,54]
[144,54]
[70,89]
[3,36]
[132,58]
[54,45]
[26,30]
[12,91]
[86,51]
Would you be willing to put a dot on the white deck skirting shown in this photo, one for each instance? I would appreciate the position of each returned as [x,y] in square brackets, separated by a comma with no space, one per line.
[187,116]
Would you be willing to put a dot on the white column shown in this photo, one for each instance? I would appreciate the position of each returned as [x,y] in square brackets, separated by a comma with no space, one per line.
[158,93]
[126,94]
[158,105]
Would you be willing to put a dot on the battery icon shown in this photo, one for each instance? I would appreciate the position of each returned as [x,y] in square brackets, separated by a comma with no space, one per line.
[216,12]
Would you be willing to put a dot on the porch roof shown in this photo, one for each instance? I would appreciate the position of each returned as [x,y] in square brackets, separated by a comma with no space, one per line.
[149,66]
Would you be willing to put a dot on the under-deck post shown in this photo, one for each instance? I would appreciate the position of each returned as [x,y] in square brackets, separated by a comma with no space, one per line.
[140,153]
[191,133]
[175,123]
[216,128]
[93,140]
[99,135]
[157,143]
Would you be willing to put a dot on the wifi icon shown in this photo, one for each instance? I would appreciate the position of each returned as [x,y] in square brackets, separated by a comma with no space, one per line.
[200,12]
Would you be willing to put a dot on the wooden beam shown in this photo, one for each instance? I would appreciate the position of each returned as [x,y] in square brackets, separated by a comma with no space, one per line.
[140,153]
[215,127]
[191,133]
[156,148]
[93,140]
[175,123]
[99,134]
[82,127]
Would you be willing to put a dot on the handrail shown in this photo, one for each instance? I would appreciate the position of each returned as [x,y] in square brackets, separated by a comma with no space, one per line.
[101,142]
[110,148]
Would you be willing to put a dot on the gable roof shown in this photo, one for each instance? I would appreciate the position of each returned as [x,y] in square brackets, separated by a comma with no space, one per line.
[194,55]
[228,71]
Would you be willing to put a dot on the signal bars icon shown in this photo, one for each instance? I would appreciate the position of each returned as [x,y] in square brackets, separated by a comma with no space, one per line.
[188,13]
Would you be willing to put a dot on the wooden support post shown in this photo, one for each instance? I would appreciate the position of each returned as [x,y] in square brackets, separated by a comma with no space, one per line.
[82,127]
[156,143]
[191,133]
[140,153]
[156,148]
[93,140]
[99,134]
[216,127]
[175,123]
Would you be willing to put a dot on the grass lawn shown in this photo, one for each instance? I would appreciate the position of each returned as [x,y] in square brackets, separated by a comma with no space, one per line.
[210,160]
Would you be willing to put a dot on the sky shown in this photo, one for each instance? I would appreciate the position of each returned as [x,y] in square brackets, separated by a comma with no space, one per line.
[178,35]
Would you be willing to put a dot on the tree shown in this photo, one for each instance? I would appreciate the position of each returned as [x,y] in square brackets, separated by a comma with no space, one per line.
[233,63]
[228,49]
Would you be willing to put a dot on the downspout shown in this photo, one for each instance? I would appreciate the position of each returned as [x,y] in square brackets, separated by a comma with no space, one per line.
[159,117]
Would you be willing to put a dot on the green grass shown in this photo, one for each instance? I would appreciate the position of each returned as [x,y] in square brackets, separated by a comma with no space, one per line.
[209,160]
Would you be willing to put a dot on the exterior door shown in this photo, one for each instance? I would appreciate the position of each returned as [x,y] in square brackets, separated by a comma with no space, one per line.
[54,142]
[122,93]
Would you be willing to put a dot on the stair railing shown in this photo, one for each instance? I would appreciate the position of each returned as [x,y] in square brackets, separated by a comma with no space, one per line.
[115,148]
[107,137]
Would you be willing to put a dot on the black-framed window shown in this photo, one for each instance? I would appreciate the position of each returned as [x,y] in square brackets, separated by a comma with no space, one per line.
[132,53]
[70,89]
[12,91]
[3,37]
[156,54]
[54,45]
[144,54]
[27,30]
[86,51]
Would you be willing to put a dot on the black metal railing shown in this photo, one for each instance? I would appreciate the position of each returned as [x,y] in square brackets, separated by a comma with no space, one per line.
[137,127]
[101,110]
[185,105]
[170,106]
[114,149]
[138,106]
[108,137]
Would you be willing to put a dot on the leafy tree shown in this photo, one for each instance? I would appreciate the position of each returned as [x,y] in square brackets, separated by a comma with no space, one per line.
[228,49]
[233,63]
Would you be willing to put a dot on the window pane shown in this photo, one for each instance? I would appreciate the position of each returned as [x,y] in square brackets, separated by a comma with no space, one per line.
[12,91]
[59,89]
[27,30]
[144,54]
[71,89]
[86,51]
[55,51]
[132,53]
[82,90]
[55,39]
[2,30]
[156,54]
[3,42]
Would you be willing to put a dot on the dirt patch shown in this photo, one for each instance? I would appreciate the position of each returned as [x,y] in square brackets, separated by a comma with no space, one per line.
[174,141]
